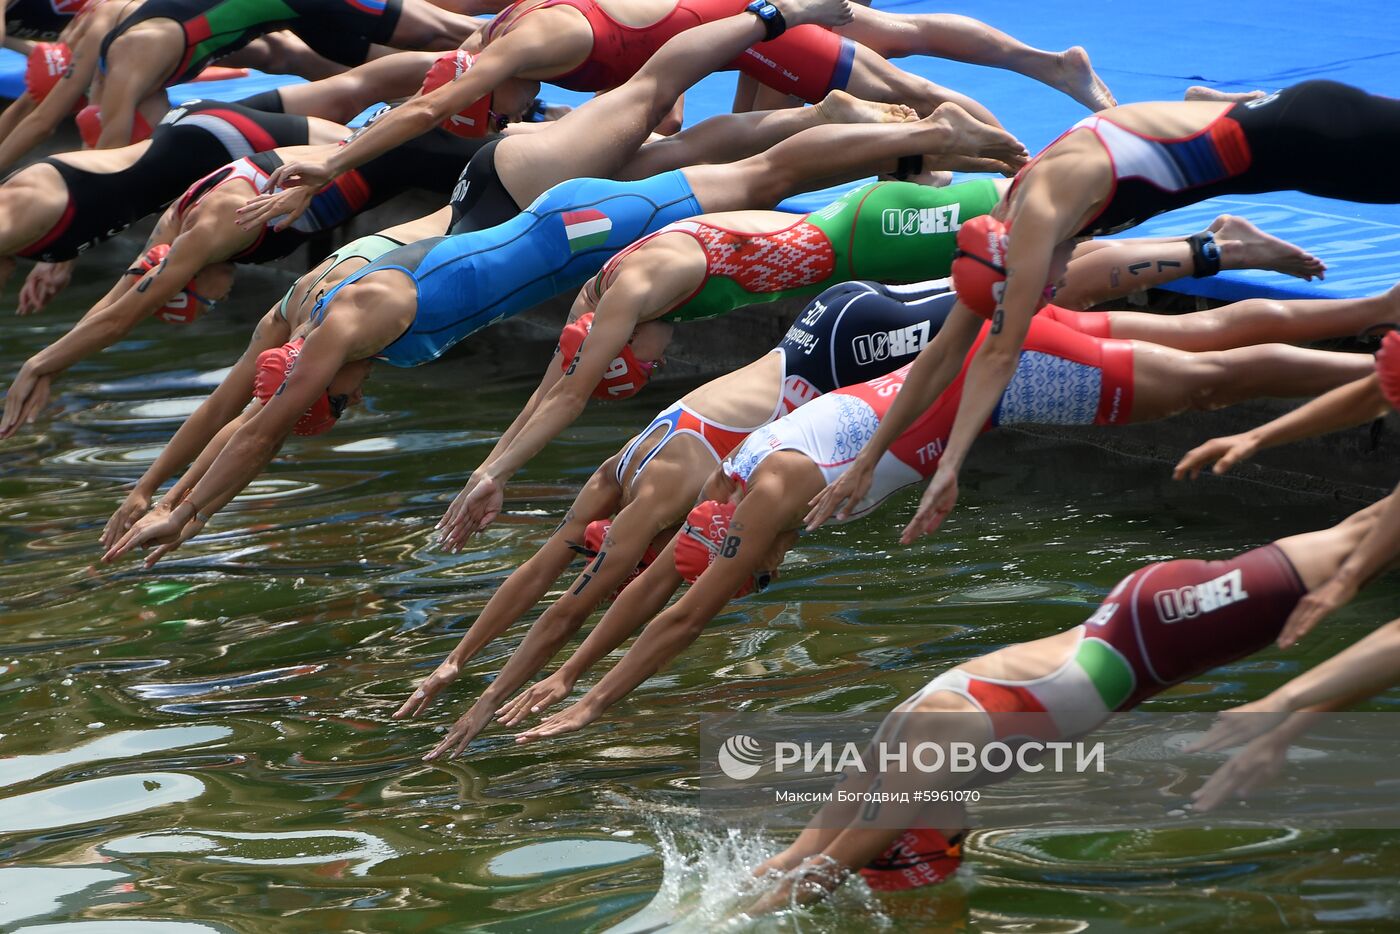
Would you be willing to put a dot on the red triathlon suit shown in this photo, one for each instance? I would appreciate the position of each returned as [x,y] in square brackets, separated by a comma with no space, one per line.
[805,61]
[1161,625]
[1063,377]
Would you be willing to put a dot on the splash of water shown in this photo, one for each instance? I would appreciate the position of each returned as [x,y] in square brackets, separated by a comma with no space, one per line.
[708,883]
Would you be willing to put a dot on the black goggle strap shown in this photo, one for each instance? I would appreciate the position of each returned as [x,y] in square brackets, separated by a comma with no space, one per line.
[999,270]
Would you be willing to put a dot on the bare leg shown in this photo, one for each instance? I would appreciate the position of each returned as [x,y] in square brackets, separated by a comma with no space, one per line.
[875,79]
[283,53]
[1167,381]
[744,93]
[1257,320]
[1199,93]
[826,155]
[430,28]
[727,137]
[963,39]
[138,62]
[342,96]
[601,135]
[1106,269]
[32,201]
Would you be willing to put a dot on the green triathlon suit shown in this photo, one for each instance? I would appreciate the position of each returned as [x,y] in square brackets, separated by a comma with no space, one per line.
[368,248]
[883,231]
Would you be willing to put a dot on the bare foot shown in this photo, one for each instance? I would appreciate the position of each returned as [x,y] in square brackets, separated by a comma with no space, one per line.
[1199,93]
[1076,77]
[1244,246]
[973,146]
[818,12]
[840,107]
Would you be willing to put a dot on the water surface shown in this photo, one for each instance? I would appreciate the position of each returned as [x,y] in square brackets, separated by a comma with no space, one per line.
[208,747]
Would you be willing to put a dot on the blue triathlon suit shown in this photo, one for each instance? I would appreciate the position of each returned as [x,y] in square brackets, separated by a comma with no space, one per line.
[470,280]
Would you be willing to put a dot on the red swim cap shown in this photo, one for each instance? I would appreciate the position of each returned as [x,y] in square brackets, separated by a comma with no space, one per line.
[919,857]
[473,120]
[593,536]
[625,376]
[89,121]
[702,538]
[1388,368]
[183,307]
[48,62]
[979,264]
[274,366]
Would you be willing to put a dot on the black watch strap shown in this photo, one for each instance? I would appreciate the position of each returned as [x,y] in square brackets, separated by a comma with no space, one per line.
[773,23]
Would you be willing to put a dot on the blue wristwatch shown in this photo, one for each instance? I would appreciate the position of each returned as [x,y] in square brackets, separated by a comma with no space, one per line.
[773,23]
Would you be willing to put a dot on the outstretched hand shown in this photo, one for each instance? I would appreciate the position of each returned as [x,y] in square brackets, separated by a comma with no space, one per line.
[1314,608]
[1224,452]
[841,496]
[136,505]
[1254,765]
[569,720]
[1239,725]
[284,206]
[460,736]
[44,281]
[428,690]
[535,698]
[28,395]
[937,502]
[476,507]
[160,529]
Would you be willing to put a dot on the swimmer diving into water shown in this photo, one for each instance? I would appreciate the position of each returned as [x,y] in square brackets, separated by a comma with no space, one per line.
[1116,169]
[412,304]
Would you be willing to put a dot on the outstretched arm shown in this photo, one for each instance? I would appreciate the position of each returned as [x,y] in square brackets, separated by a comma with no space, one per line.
[640,601]
[194,436]
[1028,265]
[512,54]
[1271,724]
[562,397]
[751,535]
[522,590]
[40,121]
[1344,407]
[932,371]
[108,323]
[1376,552]
[250,449]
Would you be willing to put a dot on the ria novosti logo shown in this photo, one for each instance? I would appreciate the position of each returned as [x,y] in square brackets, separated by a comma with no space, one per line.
[740,757]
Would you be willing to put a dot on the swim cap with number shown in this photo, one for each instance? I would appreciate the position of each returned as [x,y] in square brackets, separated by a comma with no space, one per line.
[703,538]
[274,366]
[625,376]
[979,264]
[474,119]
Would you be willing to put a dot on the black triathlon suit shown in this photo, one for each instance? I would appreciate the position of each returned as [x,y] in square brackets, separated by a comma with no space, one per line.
[858,331]
[341,30]
[429,163]
[480,201]
[193,140]
[42,20]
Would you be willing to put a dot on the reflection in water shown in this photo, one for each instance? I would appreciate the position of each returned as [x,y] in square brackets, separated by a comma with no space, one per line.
[361,851]
[96,800]
[31,892]
[209,747]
